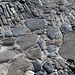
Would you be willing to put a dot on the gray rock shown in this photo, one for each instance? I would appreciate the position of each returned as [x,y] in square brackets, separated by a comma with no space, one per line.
[54,33]
[65,28]
[73,7]
[8,42]
[8,34]
[51,48]
[19,64]
[48,67]
[27,41]
[34,53]
[41,72]
[34,24]
[37,66]
[19,31]
[3,69]
[6,56]
[1,36]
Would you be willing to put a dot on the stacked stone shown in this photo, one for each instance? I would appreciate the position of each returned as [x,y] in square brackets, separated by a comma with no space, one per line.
[31,33]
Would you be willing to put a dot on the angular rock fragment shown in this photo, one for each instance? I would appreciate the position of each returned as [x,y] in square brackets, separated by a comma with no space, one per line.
[34,53]
[18,31]
[35,24]
[27,41]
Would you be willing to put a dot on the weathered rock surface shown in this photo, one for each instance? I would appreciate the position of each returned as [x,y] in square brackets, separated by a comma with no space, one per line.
[27,41]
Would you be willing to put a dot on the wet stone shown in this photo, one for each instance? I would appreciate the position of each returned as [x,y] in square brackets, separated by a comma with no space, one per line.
[6,56]
[8,42]
[27,41]
[18,31]
[54,33]
[48,67]
[35,24]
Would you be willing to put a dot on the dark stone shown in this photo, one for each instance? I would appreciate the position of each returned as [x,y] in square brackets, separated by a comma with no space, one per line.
[54,33]
[34,24]
[8,42]
[19,31]
[41,72]
[37,66]
[51,48]
[48,67]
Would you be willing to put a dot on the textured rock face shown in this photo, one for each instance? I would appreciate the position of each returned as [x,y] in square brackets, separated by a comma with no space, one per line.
[31,33]
[67,50]
[27,41]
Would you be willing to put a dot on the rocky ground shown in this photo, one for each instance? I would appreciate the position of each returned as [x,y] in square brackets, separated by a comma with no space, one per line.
[37,37]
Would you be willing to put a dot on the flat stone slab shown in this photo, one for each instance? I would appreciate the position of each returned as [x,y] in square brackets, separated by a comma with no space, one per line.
[6,56]
[35,24]
[19,65]
[27,41]
[67,50]
[19,31]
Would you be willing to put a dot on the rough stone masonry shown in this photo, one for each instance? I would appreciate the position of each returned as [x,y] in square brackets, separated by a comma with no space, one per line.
[37,37]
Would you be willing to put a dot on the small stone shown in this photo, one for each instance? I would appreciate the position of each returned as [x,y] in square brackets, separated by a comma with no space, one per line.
[61,8]
[19,31]
[8,42]
[6,56]
[65,28]
[41,72]
[51,48]
[29,72]
[35,24]
[48,67]
[54,33]
[37,66]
